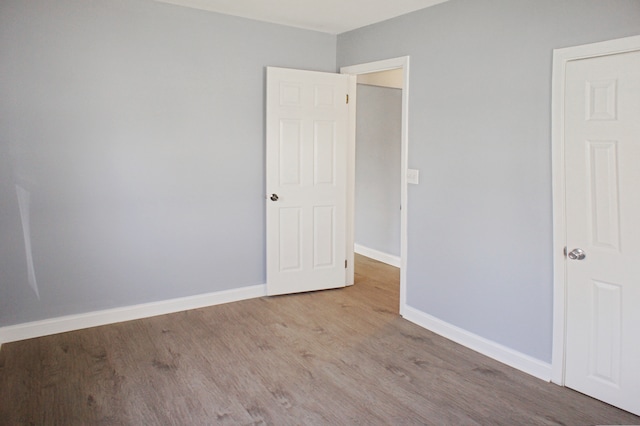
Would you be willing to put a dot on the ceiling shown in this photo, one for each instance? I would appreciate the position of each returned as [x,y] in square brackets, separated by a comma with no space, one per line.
[329,16]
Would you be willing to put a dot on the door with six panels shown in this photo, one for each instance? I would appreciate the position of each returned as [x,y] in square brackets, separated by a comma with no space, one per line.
[306,180]
[602,175]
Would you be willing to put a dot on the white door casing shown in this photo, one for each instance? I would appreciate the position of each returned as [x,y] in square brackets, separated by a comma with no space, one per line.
[597,124]
[306,170]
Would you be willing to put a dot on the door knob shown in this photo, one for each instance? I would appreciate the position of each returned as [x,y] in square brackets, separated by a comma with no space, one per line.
[274,197]
[576,254]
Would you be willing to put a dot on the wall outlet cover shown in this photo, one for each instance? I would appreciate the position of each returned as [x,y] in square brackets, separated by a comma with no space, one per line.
[413,176]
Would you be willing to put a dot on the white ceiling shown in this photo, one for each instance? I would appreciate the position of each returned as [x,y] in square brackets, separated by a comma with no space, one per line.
[329,16]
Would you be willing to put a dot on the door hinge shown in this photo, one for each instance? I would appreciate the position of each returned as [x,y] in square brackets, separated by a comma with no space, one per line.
[345,264]
[347,98]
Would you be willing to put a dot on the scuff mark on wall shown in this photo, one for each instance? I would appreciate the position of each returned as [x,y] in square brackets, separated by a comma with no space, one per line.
[24,203]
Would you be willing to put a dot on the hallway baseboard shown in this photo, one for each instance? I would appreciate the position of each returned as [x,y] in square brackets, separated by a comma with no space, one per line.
[389,259]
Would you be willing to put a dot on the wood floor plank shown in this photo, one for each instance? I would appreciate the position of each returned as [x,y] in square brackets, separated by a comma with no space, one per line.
[323,358]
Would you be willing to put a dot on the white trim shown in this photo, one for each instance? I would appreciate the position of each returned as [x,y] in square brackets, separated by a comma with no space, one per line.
[30,330]
[503,354]
[560,59]
[387,64]
[378,255]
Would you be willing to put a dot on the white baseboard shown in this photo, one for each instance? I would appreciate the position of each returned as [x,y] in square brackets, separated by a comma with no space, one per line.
[63,324]
[389,259]
[479,344]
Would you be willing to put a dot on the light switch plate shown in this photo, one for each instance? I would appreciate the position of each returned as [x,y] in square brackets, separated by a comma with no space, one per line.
[413,176]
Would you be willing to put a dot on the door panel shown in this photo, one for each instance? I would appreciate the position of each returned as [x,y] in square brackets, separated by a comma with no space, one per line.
[290,239]
[306,168]
[290,150]
[603,188]
[602,143]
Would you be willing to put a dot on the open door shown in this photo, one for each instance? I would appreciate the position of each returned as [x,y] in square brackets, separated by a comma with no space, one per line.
[306,180]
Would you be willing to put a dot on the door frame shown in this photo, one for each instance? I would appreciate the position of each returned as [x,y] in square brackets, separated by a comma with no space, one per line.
[369,67]
[560,59]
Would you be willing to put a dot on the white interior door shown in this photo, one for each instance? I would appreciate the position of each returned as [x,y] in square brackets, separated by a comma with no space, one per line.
[602,167]
[306,153]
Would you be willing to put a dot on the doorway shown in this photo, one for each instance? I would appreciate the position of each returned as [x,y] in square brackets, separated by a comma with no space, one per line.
[399,66]
[377,188]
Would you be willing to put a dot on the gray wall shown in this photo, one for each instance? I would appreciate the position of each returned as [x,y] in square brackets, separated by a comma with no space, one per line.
[480,232]
[136,129]
[377,195]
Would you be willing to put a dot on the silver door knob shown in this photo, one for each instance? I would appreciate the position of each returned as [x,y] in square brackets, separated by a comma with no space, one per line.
[577,254]
[274,197]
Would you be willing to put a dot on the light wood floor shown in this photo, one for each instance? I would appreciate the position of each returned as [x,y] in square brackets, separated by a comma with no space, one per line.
[339,357]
